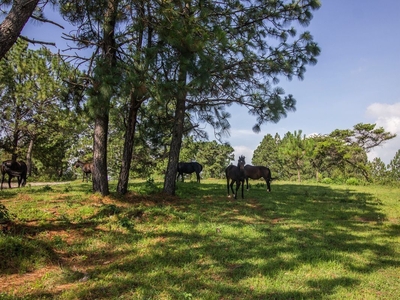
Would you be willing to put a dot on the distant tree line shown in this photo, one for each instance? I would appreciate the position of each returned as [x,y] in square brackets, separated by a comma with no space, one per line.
[336,157]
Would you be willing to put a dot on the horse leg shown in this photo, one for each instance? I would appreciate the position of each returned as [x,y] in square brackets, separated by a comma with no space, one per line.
[247,183]
[9,180]
[231,185]
[227,185]
[237,188]
[198,177]
[233,193]
[242,189]
[2,180]
[268,185]
[23,180]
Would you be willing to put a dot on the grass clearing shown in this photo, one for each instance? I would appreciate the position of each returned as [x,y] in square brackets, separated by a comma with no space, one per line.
[301,241]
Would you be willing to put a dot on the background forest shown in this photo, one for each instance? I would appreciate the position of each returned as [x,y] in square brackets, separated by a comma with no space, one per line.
[49,127]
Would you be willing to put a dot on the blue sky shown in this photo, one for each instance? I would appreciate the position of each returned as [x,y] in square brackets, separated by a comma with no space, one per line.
[356,79]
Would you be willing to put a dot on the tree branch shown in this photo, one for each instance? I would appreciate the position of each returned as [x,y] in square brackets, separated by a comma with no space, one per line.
[36,41]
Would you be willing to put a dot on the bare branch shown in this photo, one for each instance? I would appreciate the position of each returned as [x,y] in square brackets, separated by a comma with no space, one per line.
[36,41]
[46,21]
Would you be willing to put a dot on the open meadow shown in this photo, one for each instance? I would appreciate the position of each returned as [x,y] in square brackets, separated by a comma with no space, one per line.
[301,241]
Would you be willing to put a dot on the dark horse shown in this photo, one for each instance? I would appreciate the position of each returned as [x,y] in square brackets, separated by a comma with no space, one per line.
[189,168]
[87,169]
[14,169]
[256,172]
[235,174]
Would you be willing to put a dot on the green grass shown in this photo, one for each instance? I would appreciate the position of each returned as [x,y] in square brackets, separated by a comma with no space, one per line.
[301,241]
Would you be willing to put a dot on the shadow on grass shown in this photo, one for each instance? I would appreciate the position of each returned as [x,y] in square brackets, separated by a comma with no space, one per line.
[204,241]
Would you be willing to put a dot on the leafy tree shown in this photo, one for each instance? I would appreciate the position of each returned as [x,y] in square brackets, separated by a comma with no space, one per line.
[379,172]
[267,154]
[332,153]
[293,151]
[203,57]
[223,54]
[364,135]
[215,158]
[189,150]
[97,23]
[360,141]
[37,106]
[394,167]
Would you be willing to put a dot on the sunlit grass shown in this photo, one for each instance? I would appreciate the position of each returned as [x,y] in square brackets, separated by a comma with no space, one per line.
[301,241]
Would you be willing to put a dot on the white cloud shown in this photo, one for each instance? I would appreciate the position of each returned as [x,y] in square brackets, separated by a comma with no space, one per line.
[388,117]
[243,150]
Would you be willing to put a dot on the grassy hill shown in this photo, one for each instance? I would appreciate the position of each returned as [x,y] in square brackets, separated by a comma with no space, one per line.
[301,241]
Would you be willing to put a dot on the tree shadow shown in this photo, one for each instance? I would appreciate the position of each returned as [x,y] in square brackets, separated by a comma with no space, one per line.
[277,232]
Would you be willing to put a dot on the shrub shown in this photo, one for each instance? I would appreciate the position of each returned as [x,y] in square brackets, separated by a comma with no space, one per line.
[327,180]
[352,181]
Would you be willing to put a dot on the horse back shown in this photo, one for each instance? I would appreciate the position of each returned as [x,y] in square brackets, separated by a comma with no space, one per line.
[88,168]
[228,170]
[189,167]
[256,172]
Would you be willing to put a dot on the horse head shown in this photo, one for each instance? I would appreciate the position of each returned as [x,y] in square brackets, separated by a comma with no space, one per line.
[241,162]
[78,164]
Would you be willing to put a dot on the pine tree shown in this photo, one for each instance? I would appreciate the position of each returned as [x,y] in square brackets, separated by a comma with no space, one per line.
[394,167]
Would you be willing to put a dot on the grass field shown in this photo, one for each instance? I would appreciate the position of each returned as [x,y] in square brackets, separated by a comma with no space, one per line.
[301,241]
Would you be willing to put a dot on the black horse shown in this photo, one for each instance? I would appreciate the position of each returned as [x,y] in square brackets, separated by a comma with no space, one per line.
[189,168]
[87,169]
[235,174]
[256,172]
[14,169]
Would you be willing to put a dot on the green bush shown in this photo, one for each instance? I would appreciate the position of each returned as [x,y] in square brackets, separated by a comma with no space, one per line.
[352,181]
[327,180]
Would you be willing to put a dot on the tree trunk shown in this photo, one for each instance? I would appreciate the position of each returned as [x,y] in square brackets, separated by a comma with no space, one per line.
[11,27]
[123,180]
[137,96]
[175,148]
[29,157]
[177,133]
[99,175]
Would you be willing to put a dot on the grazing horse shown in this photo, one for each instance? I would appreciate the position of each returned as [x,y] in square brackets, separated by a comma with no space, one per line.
[14,169]
[189,168]
[256,172]
[235,174]
[87,169]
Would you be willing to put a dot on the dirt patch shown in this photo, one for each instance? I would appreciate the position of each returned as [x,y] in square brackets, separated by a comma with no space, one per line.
[15,184]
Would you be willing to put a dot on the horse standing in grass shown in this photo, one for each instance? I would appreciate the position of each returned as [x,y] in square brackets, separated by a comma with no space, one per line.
[87,169]
[189,168]
[236,174]
[256,172]
[14,169]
